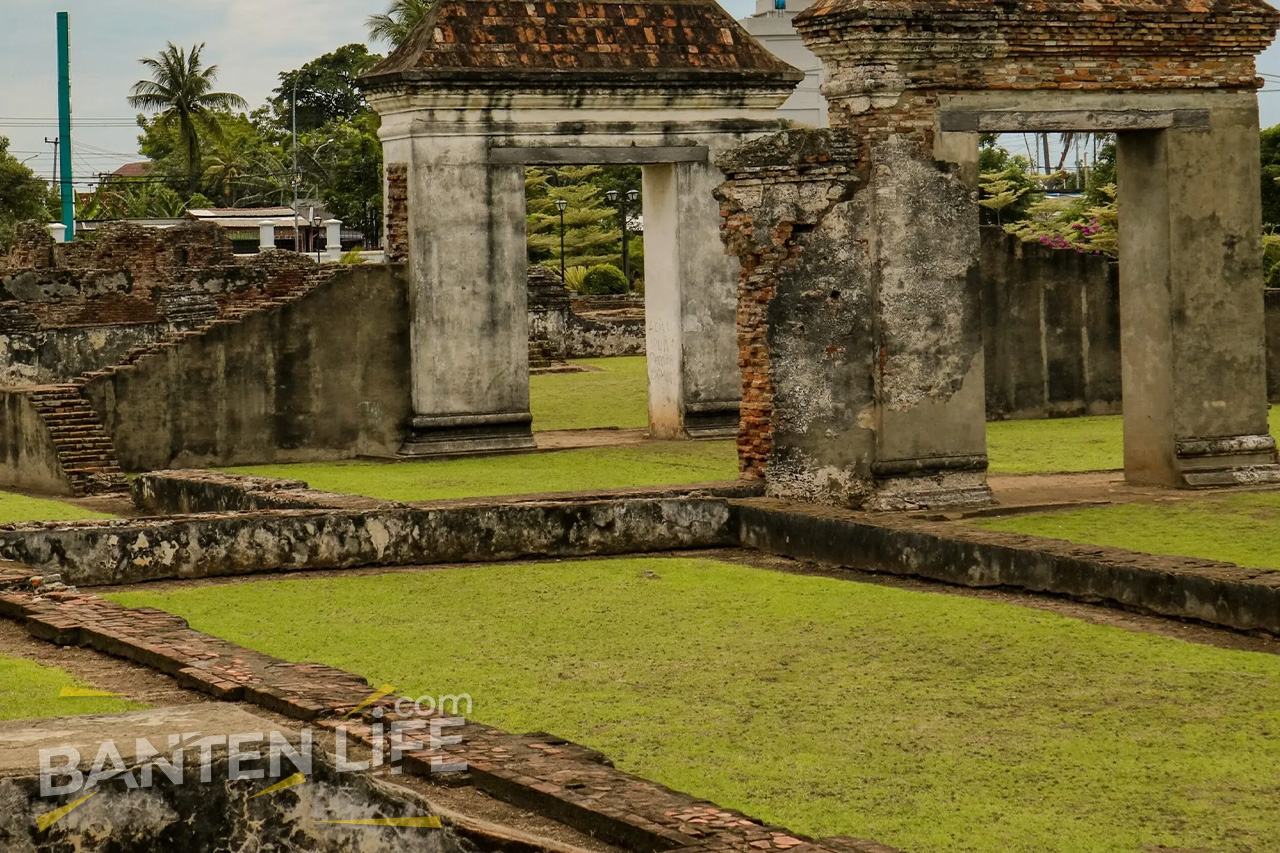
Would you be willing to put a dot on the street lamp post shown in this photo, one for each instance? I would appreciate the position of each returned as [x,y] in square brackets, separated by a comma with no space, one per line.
[562,205]
[625,205]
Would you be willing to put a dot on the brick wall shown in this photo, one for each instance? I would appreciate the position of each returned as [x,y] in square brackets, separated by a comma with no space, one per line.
[397,241]
[67,309]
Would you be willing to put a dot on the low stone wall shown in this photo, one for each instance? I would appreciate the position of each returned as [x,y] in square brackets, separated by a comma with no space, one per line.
[1051,329]
[190,492]
[563,327]
[123,552]
[1218,594]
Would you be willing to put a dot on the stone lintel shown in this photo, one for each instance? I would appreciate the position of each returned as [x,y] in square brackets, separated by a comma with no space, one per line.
[598,156]
[1051,121]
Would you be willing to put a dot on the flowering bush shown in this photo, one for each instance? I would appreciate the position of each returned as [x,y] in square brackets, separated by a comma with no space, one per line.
[1073,224]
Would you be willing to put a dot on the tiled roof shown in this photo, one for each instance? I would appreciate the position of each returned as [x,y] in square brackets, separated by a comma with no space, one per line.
[575,42]
[1224,10]
[135,170]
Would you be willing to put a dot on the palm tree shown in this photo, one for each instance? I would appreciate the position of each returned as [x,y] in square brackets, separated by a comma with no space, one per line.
[399,22]
[181,90]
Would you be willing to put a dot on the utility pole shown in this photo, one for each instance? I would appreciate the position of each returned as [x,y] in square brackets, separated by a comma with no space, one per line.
[64,123]
[54,142]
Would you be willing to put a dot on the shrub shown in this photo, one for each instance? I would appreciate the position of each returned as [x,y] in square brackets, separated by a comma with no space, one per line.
[603,280]
[353,258]
[1271,260]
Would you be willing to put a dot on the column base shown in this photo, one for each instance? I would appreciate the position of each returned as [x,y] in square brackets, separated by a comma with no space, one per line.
[468,435]
[718,419]
[1241,460]
[914,484]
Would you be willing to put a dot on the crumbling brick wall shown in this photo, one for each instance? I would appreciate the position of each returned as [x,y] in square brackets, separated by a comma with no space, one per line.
[789,211]
[66,309]
[397,241]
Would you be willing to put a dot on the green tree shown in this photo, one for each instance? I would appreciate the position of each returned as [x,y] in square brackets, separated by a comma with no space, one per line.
[1009,189]
[23,196]
[592,233]
[326,89]
[128,198]
[181,91]
[341,163]
[1271,178]
[399,21]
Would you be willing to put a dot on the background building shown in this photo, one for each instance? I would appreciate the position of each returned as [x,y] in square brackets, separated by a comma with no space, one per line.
[773,25]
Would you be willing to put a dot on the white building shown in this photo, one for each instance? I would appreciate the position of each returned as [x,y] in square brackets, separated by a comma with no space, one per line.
[773,25]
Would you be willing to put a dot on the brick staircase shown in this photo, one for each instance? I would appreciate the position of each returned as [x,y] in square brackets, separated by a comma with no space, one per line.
[85,451]
[84,448]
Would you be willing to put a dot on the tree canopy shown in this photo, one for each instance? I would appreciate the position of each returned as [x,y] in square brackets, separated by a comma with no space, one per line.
[23,196]
[181,92]
[399,21]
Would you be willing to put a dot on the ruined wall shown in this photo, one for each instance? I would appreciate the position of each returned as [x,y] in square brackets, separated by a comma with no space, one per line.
[28,458]
[1273,344]
[397,190]
[793,216]
[562,326]
[322,377]
[68,309]
[1051,322]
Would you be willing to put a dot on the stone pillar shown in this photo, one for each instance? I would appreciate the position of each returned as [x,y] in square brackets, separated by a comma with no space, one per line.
[468,299]
[1191,303]
[862,283]
[333,239]
[58,232]
[266,235]
[690,287]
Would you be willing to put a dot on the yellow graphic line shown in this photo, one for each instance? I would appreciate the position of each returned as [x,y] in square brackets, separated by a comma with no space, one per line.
[81,693]
[46,821]
[383,691]
[416,822]
[292,782]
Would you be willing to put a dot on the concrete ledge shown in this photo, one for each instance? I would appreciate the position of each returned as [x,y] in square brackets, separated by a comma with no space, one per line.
[1214,593]
[187,492]
[124,552]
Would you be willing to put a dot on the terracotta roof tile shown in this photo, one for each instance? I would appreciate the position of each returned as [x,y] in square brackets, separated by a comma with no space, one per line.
[695,40]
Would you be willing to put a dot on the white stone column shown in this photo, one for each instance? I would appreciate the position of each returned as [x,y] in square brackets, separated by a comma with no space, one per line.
[266,235]
[333,239]
[691,303]
[58,231]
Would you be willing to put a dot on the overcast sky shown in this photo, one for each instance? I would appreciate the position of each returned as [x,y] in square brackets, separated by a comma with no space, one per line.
[251,40]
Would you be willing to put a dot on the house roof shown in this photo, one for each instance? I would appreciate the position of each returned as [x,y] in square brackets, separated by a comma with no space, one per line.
[571,43]
[135,170]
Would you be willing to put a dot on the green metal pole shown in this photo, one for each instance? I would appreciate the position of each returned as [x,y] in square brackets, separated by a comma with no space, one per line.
[64,123]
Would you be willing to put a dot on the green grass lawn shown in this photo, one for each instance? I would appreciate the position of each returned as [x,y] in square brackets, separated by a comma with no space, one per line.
[1056,446]
[565,471]
[615,396]
[933,723]
[16,508]
[30,691]
[1064,445]
[1237,529]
